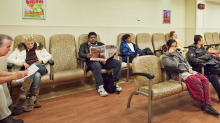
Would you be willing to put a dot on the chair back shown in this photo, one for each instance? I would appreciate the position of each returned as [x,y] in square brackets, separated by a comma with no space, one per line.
[216,37]
[84,38]
[208,38]
[167,36]
[119,40]
[146,64]
[37,38]
[158,40]
[144,40]
[63,49]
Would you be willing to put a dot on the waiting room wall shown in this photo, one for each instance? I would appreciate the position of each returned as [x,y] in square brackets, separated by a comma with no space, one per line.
[211,17]
[106,17]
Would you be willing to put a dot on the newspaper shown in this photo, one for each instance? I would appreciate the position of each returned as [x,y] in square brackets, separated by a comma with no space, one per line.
[31,70]
[102,53]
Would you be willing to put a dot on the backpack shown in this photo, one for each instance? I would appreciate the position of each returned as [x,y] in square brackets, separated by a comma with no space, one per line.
[146,51]
[109,83]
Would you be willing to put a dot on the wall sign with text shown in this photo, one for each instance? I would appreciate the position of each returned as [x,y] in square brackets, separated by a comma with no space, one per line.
[34,9]
[166,16]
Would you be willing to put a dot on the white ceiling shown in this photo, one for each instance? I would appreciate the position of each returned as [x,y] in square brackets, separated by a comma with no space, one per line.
[216,1]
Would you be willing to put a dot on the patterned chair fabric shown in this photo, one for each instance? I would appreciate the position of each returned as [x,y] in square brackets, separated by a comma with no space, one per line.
[167,36]
[63,49]
[208,38]
[38,38]
[216,37]
[160,88]
[158,41]
[144,40]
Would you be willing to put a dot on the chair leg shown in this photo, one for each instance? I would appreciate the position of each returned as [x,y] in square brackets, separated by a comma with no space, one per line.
[132,94]
[127,75]
[9,88]
[149,108]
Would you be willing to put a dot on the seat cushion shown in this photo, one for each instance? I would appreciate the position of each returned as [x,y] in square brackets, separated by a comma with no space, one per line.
[68,75]
[163,89]
[184,86]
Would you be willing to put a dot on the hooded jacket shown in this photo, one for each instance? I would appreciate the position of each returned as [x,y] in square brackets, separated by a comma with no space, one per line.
[175,60]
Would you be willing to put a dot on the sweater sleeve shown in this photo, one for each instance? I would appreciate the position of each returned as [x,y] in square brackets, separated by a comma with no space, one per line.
[46,56]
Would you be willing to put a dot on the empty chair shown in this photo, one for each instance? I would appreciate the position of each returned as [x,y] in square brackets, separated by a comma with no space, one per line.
[209,38]
[63,49]
[216,37]
[158,40]
[149,81]
[144,40]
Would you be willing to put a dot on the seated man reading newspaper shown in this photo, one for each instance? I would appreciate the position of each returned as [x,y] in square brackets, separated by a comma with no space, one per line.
[98,56]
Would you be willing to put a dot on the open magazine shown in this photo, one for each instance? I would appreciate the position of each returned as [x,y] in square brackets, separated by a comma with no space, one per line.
[31,70]
[102,53]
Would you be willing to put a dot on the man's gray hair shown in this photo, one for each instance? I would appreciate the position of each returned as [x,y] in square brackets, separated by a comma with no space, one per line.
[3,36]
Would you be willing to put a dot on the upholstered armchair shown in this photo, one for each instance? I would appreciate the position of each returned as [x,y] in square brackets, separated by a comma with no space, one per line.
[158,40]
[151,81]
[45,78]
[63,49]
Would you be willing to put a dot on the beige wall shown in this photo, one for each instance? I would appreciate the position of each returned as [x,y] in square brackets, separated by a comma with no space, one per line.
[106,17]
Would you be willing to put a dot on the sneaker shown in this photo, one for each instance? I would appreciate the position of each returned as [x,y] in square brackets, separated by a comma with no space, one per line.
[118,88]
[9,119]
[102,91]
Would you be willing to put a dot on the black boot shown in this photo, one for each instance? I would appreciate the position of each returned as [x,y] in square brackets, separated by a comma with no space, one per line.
[17,108]
[9,119]
[209,109]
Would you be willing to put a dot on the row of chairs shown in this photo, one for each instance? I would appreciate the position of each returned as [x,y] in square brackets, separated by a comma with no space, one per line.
[67,65]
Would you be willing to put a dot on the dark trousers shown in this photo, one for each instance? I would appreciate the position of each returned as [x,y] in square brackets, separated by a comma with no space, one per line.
[96,68]
[215,83]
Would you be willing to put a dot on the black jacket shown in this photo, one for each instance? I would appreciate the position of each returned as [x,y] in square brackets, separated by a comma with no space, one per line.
[84,51]
[201,56]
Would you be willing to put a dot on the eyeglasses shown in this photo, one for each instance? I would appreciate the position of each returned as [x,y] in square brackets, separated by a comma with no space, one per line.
[92,37]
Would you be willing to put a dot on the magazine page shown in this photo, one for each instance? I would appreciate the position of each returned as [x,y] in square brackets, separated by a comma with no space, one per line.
[102,53]
[31,70]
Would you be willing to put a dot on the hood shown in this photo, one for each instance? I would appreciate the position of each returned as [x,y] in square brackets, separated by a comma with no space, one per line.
[39,46]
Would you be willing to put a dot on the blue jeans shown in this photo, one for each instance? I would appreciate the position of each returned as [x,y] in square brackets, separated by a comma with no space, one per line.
[37,75]
[96,68]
